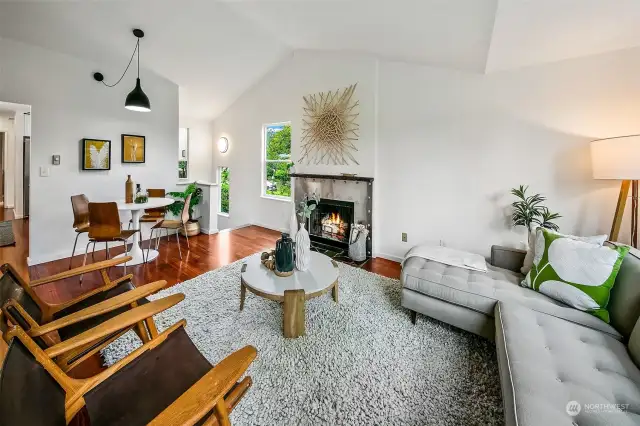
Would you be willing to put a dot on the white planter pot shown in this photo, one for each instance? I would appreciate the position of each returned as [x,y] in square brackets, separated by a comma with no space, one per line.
[303,249]
[293,222]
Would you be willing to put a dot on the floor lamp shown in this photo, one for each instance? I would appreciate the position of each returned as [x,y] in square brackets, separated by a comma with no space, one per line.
[619,159]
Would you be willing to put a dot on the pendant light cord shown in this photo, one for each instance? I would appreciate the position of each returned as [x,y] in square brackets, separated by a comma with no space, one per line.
[137,49]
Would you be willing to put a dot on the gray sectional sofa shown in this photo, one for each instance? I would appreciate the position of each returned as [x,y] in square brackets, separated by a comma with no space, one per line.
[549,354]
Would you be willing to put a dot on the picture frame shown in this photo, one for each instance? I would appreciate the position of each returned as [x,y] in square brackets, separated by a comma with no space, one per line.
[96,154]
[134,149]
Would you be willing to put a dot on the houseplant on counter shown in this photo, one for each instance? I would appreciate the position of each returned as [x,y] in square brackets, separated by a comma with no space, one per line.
[193,227]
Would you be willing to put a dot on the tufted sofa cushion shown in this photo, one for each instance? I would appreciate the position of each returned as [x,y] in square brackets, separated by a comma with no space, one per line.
[546,362]
[624,306]
[481,291]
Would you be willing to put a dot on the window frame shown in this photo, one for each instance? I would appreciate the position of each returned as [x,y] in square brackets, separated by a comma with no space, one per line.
[220,212]
[184,179]
[264,161]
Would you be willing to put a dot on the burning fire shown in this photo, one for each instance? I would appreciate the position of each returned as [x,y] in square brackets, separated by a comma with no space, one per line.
[334,227]
[333,218]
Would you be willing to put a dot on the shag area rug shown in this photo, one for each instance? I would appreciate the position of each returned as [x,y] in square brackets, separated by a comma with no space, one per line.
[361,362]
[6,233]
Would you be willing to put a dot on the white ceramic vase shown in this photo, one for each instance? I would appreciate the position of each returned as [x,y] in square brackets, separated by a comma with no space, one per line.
[293,223]
[303,249]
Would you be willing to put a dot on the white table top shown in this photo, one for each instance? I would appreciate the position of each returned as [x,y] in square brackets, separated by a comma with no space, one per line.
[321,274]
[152,203]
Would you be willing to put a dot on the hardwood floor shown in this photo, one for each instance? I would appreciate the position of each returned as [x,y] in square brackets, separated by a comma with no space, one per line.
[207,252]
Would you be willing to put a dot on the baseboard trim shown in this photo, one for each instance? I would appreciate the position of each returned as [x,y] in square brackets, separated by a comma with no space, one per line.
[262,225]
[65,255]
[209,231]
[233,228]
[391,257]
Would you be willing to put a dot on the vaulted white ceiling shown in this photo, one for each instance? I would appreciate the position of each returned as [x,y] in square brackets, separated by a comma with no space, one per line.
[215,50]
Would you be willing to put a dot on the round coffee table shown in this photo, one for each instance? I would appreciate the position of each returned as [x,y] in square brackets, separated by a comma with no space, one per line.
[294,290]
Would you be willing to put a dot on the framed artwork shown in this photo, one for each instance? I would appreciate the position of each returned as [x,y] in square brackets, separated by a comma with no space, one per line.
[96,154]
[133,149]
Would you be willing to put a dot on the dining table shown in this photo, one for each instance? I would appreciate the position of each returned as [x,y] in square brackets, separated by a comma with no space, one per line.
[136,210]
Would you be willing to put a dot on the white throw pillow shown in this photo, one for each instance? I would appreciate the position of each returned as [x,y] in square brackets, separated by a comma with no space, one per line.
[531,250]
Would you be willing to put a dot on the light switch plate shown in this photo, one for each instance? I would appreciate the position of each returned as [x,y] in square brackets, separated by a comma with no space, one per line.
[55,159]
[44,171]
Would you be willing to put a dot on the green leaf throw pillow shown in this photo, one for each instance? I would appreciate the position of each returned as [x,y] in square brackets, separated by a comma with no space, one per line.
[573,272]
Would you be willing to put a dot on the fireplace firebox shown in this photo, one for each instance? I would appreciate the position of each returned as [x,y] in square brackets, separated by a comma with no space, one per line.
[330,223]
[344,200]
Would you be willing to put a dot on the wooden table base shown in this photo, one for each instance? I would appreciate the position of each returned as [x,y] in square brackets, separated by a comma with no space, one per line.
[293,311]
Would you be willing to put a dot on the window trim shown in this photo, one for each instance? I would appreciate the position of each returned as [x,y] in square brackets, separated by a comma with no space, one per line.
[263,164]
[188,155]
[220,212]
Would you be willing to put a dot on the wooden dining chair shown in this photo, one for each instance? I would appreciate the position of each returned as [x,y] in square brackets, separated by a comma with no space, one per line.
[104,227]
[153,215]
[166,381]
[177,225]
[50,323]
[80,207]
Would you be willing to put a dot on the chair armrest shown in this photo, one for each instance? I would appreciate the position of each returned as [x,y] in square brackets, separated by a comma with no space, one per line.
[99,308]
[507,257]
[105,264]
[53,309]
[115,324]
[203,396]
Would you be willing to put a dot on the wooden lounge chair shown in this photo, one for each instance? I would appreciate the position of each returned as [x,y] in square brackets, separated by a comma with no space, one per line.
[165,382]
[48,324]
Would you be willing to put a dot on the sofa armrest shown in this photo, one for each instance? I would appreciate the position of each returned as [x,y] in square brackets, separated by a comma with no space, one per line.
[507,257]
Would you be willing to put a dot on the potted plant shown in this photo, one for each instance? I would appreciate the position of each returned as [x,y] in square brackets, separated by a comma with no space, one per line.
[192,227]
[528,210]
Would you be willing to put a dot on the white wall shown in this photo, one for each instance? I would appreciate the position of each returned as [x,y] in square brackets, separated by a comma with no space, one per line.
[68,105]
[200,149]
[453,144]
[278,98]
[445,147]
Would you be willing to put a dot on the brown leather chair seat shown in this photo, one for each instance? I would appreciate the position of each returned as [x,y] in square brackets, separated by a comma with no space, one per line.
[77,328]
[154,376]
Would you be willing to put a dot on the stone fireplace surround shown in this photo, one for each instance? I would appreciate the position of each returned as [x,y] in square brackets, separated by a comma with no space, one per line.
[355,189]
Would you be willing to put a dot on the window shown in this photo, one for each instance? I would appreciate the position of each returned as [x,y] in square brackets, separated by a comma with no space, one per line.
[183,153]
[223,179]
[277,160]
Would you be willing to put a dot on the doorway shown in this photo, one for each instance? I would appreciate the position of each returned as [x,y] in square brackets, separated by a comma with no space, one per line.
[3,137]
[15,128]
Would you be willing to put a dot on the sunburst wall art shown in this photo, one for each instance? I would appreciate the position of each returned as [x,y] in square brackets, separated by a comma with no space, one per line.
[329,127]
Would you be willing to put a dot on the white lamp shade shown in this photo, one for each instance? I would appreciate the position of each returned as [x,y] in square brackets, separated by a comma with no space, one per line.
[616,158]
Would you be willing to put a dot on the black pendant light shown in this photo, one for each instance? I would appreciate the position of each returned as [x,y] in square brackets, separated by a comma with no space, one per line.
[137,100]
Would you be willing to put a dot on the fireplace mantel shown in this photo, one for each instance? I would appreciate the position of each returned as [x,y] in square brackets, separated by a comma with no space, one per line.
[332,177]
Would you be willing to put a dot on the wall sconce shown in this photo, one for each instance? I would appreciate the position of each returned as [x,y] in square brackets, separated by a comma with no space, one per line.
[223,145]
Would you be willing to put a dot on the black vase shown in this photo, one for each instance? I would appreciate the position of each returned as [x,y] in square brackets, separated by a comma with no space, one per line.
[284,256]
